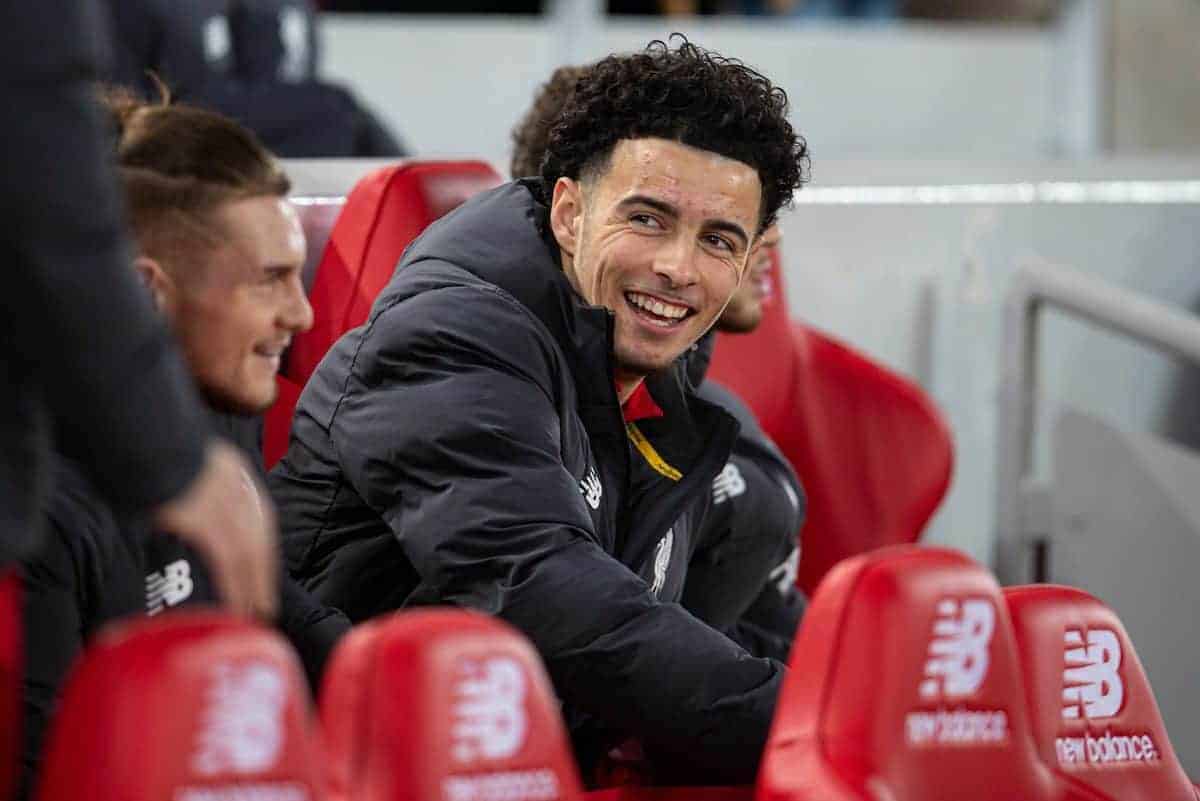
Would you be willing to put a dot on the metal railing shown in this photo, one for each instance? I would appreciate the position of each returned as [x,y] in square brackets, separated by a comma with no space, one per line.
[1115,309]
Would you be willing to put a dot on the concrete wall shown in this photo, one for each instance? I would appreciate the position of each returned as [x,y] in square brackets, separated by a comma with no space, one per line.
[457,86]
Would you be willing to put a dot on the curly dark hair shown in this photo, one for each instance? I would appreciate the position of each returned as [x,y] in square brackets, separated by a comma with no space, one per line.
[530,135]
[686,94]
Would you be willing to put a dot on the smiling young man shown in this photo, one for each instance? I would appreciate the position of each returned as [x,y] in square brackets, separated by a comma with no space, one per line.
[741,578]
[512,430]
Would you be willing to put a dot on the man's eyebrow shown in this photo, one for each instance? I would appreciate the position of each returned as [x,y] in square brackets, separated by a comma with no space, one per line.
[666,208]
[653,202]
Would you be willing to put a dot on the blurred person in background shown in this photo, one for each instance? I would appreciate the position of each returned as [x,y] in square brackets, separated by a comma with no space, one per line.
[512,431]
[88,365]
[741,580]
[252,60]
[219,249]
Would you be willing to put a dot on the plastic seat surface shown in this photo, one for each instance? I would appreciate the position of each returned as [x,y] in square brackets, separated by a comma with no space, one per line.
[194,706]
[12,673]
[872,450]
[904,685]
[443,704]
[385,211]
[1094,715]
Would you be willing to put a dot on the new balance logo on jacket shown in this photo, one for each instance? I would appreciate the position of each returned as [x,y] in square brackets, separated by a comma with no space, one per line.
[728,484]
[956,666]
[169,587]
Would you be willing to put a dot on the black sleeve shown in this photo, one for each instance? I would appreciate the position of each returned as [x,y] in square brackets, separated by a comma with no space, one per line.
[53,627]
[453,437]
[120,398]
[314,630]
[85,575]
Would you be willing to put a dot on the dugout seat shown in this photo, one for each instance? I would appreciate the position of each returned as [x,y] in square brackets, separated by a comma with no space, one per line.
[384,212]
[12,674]
[873,452]
[447,704]
[1094,716]
[905,685]
[188,706]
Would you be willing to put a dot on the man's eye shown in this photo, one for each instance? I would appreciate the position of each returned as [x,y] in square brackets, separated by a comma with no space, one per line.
[646,220]
[719,242]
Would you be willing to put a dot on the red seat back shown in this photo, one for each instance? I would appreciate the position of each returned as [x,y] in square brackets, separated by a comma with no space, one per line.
[188,707]
[904,685]
[1094,714]
[12,673]
[872,451]
[384,212]
[443,704]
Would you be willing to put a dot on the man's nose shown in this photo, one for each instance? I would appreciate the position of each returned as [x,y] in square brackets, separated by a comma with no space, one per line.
[297,314]
[677,263]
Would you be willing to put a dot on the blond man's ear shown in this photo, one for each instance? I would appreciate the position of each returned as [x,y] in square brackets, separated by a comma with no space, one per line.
[157,281]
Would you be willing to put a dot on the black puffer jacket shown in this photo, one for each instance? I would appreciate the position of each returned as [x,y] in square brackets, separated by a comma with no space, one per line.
[466,447]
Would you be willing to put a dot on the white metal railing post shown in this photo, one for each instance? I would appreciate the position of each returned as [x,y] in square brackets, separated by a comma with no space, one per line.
[1035,287]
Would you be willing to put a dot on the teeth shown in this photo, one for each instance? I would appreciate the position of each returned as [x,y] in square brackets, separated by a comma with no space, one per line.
[667,310]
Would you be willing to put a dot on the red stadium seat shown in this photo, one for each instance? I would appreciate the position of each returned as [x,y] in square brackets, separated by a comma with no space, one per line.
[905,685]
[189,707]
[872,451]
[444,704]
[1095,719]
[384,212]
[12,672]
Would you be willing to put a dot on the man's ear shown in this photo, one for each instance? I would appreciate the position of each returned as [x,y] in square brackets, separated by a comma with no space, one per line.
[156,280]
[566,214]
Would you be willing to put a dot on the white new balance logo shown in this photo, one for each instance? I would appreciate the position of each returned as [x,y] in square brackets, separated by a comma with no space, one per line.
[591,488]
[172,586]
[1091,685]
[958,653]
[242,729]
[728,483]
[489,710]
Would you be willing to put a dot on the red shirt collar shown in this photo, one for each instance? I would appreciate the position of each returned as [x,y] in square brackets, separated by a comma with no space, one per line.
[640,405]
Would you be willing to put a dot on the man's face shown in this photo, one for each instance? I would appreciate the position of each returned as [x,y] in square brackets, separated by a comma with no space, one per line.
[661,238]
[235,318]
[745,309]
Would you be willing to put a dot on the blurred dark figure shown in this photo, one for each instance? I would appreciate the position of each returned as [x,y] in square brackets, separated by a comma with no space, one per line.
[990,10]
[253,60]
[435,6]
[798,9]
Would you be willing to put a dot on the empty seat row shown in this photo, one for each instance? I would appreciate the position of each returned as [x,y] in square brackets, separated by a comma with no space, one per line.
[914,678]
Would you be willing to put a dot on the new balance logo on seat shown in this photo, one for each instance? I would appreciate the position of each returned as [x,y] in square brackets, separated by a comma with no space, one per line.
[489,710]
[955,667]
[242,727]
[1091,685]
[1093,690]
[170,587]
[958,653]
[728,483]
[591,488]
